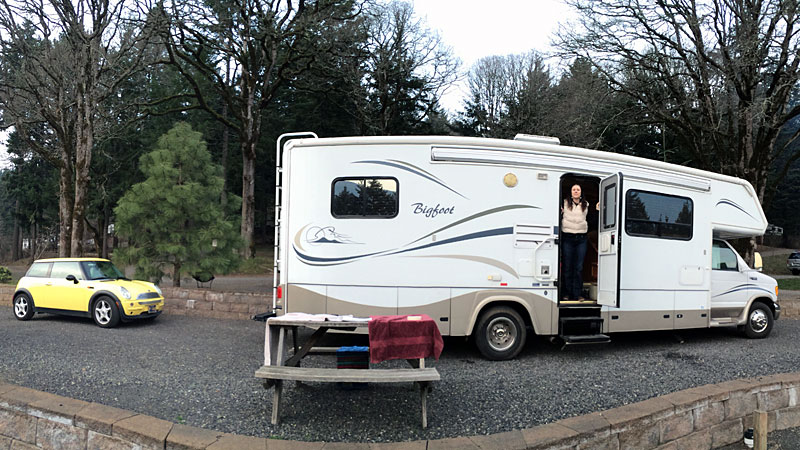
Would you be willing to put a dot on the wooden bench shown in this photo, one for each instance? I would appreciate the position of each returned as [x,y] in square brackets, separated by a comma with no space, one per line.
[275,375]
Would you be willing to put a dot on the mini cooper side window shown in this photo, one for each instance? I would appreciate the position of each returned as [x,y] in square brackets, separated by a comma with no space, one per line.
[39,270]
[364,198]
[62,269]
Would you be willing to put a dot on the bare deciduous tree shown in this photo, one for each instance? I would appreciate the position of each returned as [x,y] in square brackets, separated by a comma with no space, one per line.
[406,69]
[68,58]
[718,73]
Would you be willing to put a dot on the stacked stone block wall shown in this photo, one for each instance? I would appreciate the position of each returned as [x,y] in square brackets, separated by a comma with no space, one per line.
[705,417]
[231,305]
[218,305]
[194,302]
[6,295]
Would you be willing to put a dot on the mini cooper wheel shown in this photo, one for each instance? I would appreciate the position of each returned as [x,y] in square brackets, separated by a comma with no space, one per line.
[759,321]
[105,312]
[500,333]
[23,307]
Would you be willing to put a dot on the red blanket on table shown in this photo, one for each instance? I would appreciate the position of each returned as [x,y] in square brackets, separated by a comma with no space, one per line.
[396,337]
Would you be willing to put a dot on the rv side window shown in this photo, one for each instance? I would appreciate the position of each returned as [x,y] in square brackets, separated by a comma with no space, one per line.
[609,206]
[650,214]
[722,257]
[364,197]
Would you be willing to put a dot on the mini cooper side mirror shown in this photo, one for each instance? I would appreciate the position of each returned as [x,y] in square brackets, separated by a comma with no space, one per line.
[72,278]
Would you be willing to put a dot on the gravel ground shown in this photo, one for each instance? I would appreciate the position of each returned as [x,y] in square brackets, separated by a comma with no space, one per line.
[200,372]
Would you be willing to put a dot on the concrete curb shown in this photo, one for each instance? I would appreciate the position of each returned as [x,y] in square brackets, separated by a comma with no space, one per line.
[703,417]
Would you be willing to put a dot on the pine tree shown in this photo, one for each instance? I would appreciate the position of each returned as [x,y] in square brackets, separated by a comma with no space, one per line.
[174,218]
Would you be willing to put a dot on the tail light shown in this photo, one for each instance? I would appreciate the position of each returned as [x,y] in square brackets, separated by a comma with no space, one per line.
[280,292]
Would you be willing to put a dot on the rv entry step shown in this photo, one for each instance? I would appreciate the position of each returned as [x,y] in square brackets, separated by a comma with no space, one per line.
[586,339]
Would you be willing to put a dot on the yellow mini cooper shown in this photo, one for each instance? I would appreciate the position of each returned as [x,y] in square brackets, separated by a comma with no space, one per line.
[85,287]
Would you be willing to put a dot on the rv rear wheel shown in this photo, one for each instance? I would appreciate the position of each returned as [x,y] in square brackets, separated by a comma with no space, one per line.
[759,321]
[500,333]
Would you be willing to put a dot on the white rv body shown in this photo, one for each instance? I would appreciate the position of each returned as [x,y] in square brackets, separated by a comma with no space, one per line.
[476,226]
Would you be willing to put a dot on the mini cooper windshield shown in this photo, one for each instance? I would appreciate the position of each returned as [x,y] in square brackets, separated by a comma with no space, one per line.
[101,270]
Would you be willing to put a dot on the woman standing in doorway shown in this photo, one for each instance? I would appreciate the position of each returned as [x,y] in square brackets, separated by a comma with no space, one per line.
[574,229]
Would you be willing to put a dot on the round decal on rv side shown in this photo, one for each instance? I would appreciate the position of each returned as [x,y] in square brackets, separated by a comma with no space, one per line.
[510,180]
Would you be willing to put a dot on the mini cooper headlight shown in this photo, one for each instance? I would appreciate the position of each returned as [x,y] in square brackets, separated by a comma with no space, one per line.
[125,293]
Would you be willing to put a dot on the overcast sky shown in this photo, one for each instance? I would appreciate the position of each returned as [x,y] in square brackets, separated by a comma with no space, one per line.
[477,28]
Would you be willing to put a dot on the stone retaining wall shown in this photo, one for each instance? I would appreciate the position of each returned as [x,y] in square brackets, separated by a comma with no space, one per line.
[218,305]
[195,302]
[699,418]
[227,305]
[6,295]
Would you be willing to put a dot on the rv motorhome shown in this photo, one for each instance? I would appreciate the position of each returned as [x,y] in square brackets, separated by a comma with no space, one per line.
[466,230]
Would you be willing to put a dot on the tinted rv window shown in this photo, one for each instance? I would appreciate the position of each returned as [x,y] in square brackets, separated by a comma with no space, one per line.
[364,197]
[662,216]
[722,257]
[609,206]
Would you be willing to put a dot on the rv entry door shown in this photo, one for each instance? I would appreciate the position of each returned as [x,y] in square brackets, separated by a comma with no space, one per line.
[608,241]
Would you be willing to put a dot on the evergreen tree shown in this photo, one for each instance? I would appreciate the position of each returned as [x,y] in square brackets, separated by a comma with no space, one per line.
[175,218]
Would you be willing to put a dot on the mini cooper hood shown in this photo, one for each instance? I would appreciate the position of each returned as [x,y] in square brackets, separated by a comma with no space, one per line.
[135,287]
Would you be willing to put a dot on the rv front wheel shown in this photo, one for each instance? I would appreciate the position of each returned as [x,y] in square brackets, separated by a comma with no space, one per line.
[500,333]
[759,321]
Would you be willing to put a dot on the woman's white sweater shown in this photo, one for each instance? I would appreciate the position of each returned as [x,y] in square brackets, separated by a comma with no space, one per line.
[574,220]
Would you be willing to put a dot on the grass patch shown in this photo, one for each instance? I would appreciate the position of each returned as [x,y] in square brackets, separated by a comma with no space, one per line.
[259,265]
[776,264]
[789,284]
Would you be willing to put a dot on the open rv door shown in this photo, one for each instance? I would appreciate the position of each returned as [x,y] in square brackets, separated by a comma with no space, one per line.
[609,240]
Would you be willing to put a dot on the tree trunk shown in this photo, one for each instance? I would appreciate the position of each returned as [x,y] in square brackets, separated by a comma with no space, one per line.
[176,275]
[65,208]
[84,141]
[225,140]
[104,232]
[16,245]
[33,241]
[248,200]
[83,156]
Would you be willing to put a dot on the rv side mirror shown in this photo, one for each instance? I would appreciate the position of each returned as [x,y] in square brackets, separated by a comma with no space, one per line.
[758,264]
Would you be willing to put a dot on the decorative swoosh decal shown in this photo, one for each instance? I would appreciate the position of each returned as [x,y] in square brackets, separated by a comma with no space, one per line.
[742,287]
[492,262]
[413,169]
[316,260]
[725,201]
[475,216]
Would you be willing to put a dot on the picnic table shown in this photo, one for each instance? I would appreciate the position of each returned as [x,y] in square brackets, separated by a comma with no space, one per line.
[391,337]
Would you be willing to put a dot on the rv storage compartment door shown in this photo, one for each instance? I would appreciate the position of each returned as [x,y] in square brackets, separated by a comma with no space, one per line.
[536,251]
[609,241]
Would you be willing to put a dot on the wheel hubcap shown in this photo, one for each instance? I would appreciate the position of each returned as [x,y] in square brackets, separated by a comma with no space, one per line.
[21,307]
[102,312]
[758,320]
[501,333]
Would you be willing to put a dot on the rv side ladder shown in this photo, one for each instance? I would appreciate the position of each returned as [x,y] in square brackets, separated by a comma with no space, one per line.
[276,256]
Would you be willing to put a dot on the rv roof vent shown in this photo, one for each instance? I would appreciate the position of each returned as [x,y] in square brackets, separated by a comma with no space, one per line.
[538,139]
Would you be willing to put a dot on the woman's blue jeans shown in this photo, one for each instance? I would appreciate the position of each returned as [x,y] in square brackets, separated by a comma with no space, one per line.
[573,250]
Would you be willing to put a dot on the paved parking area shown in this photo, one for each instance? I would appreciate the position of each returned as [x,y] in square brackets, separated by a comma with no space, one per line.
[200,372]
